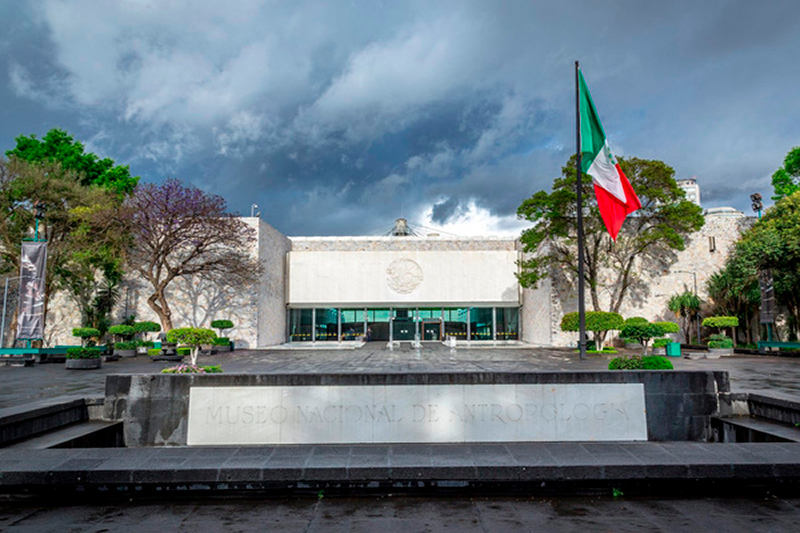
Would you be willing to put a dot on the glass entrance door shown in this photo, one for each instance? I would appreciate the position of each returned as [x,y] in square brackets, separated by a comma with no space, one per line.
[432,331]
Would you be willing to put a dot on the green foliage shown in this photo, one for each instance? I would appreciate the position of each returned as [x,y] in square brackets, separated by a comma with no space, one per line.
[154,351]
[720,322]
[222,341]
[641,331]
[658,230]
[147,327]
[661,342]
[606,350]
[85,333]
[595,321]
[126,332]
[83,353]
[126,345]
[652,362]
[193,369]
[720,341]
[144,344]
[786,180]
[221,324]
[773,244]
[59,146]
[669,327]
[184,351]
[191,336]
[636,320]
[656,362]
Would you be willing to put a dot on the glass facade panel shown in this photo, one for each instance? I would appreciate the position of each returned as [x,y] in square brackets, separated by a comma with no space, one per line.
[455,322]
[300,323]
[507,323]
[480,327]
[327,324]
[378,324]
[403,326]
[352,323]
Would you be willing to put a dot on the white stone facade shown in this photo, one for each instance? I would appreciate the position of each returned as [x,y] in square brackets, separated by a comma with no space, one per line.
[304,272]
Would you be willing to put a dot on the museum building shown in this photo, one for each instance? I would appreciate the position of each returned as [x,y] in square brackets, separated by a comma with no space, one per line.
[402,287]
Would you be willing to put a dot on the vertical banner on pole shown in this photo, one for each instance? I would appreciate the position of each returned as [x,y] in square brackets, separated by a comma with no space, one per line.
[30,325]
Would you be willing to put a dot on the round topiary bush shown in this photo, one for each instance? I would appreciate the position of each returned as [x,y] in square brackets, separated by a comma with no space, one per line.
[641,331]
[85,333]
[721,322]
[720,341]
[83,353]
[193,337]
[124,331]
[669,327]
[147,327]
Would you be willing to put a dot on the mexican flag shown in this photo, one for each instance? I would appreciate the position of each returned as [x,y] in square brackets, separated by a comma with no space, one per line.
[615,196]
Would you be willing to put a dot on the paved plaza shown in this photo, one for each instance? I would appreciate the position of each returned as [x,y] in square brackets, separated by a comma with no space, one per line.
[476,511]
[778,375]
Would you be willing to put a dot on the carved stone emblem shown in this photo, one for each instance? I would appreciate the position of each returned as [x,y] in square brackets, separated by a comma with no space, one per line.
[403,276]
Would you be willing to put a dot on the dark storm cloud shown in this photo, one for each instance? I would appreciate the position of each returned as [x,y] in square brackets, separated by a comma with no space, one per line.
[337,117]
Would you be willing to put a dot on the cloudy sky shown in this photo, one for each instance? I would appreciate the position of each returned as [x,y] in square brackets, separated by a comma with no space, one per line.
[336,117]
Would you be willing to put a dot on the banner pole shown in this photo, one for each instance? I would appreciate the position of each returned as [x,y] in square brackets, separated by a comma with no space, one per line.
[579,188]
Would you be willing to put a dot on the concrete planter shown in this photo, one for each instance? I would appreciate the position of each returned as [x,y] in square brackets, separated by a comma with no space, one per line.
[125,353]
[142,350]
[222,347]
[83,364]
[715,353]
[659,351]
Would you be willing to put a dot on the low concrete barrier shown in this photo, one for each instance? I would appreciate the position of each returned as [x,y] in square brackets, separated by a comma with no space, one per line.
[155,407]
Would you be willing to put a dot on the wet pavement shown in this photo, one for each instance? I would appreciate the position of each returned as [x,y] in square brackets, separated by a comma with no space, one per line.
[761,511]
[779,376]
[412,514]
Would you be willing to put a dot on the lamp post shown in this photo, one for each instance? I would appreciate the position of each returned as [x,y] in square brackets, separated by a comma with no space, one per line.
[697,315]
[254,212]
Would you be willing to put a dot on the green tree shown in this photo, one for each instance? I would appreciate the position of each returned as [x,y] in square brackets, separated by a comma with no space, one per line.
[774,243]
[734,291]
[786,180]
[648,239]
[59,146]
[686,306]
[598,322]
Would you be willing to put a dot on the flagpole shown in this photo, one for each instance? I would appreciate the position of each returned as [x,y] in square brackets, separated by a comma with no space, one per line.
[579,186]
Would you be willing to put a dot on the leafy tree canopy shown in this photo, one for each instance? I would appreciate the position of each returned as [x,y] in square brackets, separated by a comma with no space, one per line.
[59,146]
[647,241]
[786,180]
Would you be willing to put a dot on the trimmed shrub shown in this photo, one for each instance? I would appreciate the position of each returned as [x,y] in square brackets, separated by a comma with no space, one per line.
[153,352]
[124,331]
[221,341]
[661,342]
[636,320]
[144,344]
[86,333]
[651,362]
[192,369]
[720,322]
[221,324]
[184,351]
[656,362]
[720,341]
[641,331]
[669,327]
[83,353]
[147,327]
[126,345]
[597,322]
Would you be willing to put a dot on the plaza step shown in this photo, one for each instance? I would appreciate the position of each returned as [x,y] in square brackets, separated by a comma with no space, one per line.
[88,434]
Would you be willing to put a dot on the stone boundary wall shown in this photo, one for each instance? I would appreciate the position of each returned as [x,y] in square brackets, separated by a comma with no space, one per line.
[154,407]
